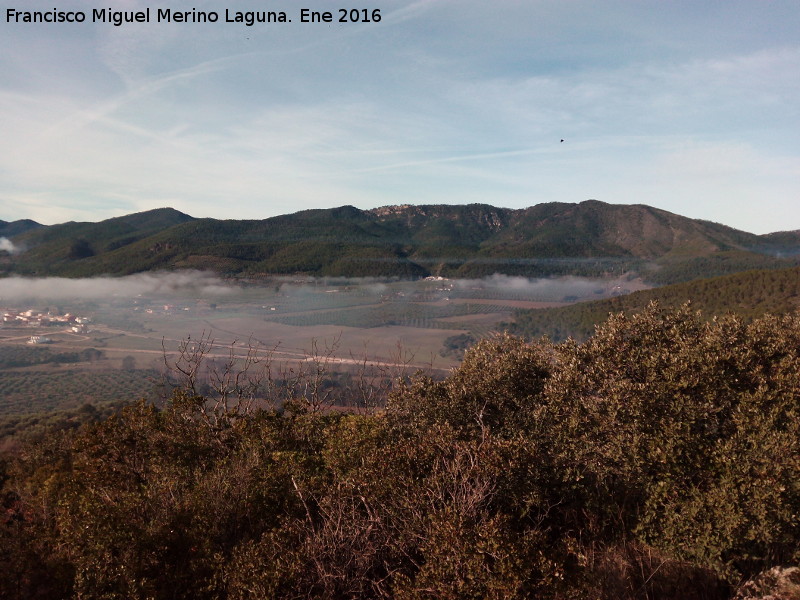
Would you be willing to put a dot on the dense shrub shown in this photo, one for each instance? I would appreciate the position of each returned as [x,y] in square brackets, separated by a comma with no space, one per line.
[659,459]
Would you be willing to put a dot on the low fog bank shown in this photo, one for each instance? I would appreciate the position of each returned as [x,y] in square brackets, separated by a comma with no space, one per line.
[312,285]
[497,286]
[557,287]
[182,283]
[200,284]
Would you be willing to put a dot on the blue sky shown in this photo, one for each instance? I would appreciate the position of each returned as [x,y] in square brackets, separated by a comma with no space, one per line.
[693,107]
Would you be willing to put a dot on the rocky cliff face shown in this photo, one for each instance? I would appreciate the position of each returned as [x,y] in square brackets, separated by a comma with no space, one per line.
[490,217]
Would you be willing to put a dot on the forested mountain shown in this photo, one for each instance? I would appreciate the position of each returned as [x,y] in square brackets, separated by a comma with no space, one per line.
[590,238]
[70,243]
[749,295]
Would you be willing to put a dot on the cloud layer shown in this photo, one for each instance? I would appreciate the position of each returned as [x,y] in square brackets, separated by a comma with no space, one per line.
[192,284]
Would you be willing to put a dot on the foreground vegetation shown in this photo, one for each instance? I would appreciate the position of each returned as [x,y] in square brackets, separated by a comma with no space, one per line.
[659,459]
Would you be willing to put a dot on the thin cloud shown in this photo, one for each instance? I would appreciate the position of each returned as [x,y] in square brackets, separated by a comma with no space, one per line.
[452,159]
[415,10]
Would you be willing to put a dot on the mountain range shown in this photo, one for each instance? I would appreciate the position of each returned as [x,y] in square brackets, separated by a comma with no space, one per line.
[587,238]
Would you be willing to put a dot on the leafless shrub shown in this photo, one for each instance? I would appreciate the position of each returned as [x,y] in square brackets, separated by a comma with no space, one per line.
[633,571]
[228,382]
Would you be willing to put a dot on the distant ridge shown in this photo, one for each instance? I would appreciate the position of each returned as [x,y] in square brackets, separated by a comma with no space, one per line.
[10,229]
[588,238]
[785,239]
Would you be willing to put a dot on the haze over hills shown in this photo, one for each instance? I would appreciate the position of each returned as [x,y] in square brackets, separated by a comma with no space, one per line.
[590,238]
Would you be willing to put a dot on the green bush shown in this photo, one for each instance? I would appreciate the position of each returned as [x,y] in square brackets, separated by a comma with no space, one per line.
[659,459]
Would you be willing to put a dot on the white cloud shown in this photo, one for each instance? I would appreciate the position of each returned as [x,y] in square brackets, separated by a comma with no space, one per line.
[7,245]
[184,283]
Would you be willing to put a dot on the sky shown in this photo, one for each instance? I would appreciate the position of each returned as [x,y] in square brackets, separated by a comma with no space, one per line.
[689,106]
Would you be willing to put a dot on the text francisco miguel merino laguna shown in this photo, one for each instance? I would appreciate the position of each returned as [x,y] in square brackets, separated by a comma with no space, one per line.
[167,15]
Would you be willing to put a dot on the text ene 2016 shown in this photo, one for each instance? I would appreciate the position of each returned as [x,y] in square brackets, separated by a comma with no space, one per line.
[354,15]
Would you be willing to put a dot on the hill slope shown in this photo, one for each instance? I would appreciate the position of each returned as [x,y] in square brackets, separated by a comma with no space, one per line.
[750,294]
[64,249]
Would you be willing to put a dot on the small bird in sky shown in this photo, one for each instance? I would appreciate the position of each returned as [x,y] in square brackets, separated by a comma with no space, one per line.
[562,141]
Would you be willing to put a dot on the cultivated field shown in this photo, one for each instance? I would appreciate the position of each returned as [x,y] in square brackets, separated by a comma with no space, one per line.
[120,352]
